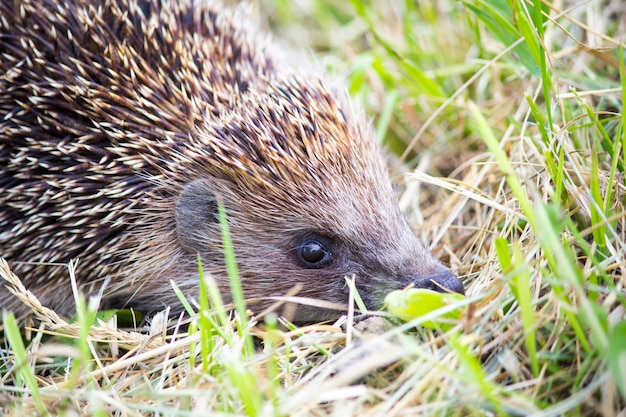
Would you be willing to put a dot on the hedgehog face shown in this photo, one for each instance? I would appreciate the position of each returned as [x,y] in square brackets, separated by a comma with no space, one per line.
[278,249]
[308,200]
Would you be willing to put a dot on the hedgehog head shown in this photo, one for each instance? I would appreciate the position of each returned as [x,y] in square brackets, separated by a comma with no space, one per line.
[308,201]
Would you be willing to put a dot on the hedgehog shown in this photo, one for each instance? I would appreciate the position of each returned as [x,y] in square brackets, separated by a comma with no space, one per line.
[125,124]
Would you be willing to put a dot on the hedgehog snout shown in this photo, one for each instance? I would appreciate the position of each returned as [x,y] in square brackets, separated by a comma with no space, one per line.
[440,281]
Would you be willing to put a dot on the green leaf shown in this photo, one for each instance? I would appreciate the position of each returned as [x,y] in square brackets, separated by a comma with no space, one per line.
[417,302]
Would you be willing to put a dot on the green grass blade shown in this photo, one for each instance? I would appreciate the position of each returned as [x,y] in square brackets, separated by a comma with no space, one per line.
[476,374]
[563,262]
[205,324]
[498,17]
[599,232]
[505,166]
[515,267]
[617,356]
[23,371]
[622,76]
[235,283]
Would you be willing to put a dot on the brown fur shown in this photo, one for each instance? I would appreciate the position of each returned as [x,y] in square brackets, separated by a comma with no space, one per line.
[123,121]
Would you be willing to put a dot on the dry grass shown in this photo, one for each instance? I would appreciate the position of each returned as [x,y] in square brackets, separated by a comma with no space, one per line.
[525,201]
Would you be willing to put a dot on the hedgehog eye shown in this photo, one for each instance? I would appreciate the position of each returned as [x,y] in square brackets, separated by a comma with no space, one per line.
[313,253]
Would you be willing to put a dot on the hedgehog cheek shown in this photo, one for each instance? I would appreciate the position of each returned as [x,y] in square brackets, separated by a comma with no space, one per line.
[196,215]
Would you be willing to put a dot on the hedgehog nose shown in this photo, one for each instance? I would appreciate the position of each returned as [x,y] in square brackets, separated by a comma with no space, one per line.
[441,281]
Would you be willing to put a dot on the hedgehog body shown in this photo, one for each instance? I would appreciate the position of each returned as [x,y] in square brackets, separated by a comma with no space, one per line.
[124,122]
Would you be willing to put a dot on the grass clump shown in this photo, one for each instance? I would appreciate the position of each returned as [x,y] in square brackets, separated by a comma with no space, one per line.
[505,126]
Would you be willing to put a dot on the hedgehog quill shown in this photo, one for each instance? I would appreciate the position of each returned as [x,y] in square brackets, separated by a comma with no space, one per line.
[123,122]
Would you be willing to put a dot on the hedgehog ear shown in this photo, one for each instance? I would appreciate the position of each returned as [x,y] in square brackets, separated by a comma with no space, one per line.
[197,217]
